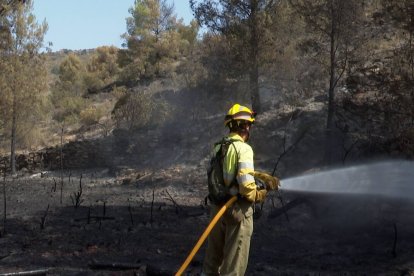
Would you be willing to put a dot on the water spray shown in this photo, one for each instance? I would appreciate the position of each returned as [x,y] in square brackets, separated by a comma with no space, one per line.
[389,179]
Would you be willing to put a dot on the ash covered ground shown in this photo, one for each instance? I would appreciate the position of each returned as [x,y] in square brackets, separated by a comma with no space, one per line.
[145,224]
[143,214]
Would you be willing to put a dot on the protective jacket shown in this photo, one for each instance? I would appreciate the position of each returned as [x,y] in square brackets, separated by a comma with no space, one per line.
[238,165]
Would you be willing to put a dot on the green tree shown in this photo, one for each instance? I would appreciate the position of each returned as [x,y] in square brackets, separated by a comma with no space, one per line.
[153,41]
[190,68]
[68,90]
[246,27]
[188,36]
[8,5]
[71,72]
[102,69]
[23,75]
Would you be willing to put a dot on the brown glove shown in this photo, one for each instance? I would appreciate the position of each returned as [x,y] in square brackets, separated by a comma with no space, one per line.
[260,195]
[271,182]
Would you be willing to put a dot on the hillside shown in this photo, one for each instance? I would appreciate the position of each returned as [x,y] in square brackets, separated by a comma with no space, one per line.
[111,144]
[141,212]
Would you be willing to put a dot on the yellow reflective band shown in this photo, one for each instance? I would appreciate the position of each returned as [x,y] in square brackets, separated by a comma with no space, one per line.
[245,178]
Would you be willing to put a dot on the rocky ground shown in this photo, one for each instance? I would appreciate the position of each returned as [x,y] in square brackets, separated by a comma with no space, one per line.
[143,223]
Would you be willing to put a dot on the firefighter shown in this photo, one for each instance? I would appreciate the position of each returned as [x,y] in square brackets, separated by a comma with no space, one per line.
[228,245]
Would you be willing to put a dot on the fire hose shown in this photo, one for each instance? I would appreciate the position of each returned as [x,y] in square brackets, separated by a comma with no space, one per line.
[205,235]
[210,227]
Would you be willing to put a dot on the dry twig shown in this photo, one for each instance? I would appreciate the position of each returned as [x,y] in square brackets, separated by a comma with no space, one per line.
[30,272]
[394,247]
[286,207]
[108,265]
[97,218]
[43,219]
[177,207]
[152,205]
[130,214]
[54,187]
[77,197]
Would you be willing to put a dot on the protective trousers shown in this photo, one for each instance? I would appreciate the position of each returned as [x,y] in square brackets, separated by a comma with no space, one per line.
[229,242]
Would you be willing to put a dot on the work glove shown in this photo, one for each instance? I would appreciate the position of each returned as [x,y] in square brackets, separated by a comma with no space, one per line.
[260,195]
[271,182]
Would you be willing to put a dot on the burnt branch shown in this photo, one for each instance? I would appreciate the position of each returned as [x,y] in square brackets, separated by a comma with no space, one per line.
[4,256]
[284,153]
[177,206]
[113,265]
[54,186]
[347,150]
[292,204]
[61,164]
[131,217]
[43,219]
[292,146]
[89,215]
[394,247]
[152,206]
[282,202]
[103,215]
[97,218]
[77,196]
[30,272]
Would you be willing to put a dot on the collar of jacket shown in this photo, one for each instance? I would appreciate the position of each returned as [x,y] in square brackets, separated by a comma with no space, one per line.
[235,136]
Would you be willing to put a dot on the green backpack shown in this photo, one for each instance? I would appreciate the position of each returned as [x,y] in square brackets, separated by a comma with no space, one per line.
[218,193]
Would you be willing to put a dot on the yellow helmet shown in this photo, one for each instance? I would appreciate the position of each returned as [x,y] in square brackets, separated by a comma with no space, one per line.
[239,112]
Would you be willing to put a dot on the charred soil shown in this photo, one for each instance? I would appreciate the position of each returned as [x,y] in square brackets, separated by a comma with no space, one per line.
[148,223]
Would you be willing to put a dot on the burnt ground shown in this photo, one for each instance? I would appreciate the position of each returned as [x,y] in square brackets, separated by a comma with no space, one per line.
[151,222]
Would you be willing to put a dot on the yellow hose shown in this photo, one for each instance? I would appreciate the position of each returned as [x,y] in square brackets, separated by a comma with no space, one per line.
[205,235]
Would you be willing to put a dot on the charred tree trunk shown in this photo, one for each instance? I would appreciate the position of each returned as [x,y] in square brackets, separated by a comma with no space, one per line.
[4,202]
[330,135]
[254,49]
[13,138]
[61,164]
[254,88]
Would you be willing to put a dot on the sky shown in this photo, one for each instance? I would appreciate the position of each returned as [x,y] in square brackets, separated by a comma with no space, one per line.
[87,24]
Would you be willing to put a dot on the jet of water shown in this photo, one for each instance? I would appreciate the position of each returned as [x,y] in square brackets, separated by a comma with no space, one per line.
[390,178]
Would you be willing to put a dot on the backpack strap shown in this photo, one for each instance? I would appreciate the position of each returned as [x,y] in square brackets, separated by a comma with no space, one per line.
[229,141]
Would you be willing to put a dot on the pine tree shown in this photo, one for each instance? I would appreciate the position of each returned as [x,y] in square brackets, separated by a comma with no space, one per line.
[23,72]
[245,26]
[151,40]
[335,34]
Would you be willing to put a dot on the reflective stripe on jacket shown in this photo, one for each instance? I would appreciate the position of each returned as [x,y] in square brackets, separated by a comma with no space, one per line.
[242,153]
